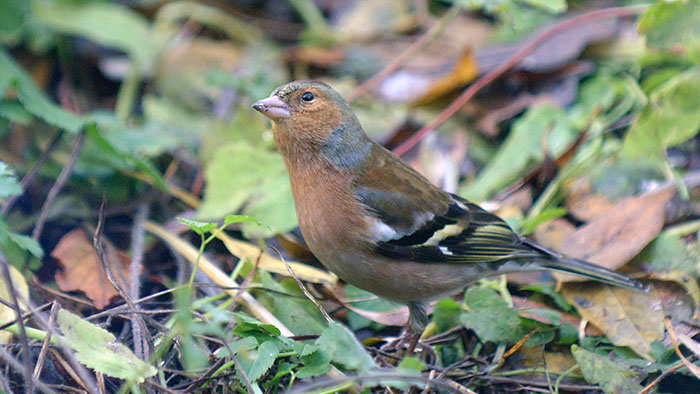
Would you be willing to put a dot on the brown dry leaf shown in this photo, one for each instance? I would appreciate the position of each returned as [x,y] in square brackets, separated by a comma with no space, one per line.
[553,233]
[83,271]
[7,314]
[621,233]
[555,361]
[627,317]
[582,202]
[522,305]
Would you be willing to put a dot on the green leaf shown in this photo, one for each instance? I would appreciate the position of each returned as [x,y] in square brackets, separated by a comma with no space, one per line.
[35,101]
[446,314]
[316,363]
[672,24]
[13,14]
[98,349]
[529,225]
[124,160]
[16,246]
[340,343]
[198,227]
[296,312]
[111,25]
[256,363]
[611,377]
[491,317]
[670,118]
[8,182]
[244,177]
[411,366]
[553,6]
[246,324]
[522,148]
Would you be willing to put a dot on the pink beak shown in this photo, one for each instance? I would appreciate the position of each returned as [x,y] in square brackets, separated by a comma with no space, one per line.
[273,107]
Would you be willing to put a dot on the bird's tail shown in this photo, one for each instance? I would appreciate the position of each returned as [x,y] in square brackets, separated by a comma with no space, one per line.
[559,262]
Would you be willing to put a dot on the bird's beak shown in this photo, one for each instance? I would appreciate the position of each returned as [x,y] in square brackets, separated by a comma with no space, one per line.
[273,107]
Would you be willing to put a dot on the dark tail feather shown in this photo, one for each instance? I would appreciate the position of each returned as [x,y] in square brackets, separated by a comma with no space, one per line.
[571,265]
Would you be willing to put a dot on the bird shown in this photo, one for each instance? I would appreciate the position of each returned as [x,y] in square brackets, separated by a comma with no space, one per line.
[378,224]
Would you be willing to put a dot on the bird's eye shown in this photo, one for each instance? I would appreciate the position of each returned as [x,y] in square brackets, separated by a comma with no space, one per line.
[307,96]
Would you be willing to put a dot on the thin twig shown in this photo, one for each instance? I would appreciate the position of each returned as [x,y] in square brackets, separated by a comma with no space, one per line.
[429,36]
[83,377]
[137,237]
[31,174]
[303,288]
[47,340]
[58,185]
[484,81]
[26,357]
[664,374]
[242,374]
[97,243]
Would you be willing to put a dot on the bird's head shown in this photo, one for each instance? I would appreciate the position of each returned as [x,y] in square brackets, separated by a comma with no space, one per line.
[308,115]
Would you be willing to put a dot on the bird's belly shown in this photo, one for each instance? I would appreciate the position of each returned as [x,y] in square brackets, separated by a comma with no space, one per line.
[400,281]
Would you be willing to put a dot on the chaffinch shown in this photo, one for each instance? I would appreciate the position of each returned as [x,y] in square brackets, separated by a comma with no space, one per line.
[381,226]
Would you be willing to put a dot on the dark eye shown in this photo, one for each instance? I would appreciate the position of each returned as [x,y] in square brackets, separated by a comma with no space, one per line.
[307,96]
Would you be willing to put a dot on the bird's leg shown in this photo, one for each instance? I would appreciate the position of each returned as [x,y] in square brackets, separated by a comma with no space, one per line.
[417,321]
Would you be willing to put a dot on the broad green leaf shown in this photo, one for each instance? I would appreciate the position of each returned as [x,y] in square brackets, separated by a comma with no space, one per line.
[338,341]
[672,24]
[111,25]
[296,312]
[35,101]
[256,362]
[14,111]
[611,378]
[8,182]
[246,325]
[447,314]
[13,14]
[19,250]
[491,317]
[244,177]
[7,314]
[316,362]
[123,160]
[98,349]
[670,118]
[522,148]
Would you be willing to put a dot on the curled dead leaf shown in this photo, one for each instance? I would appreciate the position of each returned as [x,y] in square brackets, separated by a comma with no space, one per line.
[83,271]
